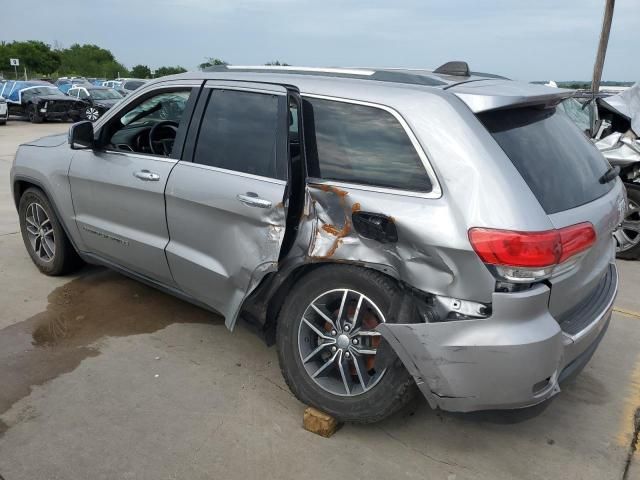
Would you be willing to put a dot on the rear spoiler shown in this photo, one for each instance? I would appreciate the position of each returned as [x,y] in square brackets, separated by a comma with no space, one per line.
[494,94]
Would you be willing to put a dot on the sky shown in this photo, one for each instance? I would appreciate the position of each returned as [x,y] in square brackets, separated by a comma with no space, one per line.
[521,39]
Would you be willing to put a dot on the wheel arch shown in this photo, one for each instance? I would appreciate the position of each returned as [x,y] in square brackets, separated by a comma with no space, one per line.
[22,183]
[263,306]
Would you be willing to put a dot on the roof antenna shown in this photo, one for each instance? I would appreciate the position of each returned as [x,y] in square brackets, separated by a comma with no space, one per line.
[456,68]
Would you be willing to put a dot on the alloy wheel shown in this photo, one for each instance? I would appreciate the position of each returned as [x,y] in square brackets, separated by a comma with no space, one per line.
[92,113]
[628,233]
[40,232]
[337,342]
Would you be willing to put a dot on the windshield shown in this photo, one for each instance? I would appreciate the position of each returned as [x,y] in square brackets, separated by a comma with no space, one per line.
[558,162]
[105,94]
[43,91]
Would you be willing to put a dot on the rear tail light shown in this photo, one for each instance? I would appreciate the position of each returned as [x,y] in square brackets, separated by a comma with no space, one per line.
[532,256]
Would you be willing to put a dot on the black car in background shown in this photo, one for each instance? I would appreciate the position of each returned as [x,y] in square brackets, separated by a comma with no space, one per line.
[97,99]
[39,101]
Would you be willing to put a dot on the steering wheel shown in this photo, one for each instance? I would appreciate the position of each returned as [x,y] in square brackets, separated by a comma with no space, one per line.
[163,146]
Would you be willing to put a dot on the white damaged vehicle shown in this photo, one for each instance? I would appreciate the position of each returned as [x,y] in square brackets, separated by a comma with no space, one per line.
[4,111]
[613,123]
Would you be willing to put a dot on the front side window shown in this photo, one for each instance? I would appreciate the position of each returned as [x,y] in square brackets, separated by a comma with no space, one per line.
[239,132]
[361,144]
[164,106]
[150,126]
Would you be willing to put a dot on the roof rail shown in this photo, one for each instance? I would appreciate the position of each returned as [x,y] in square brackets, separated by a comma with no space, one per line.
[289,68]
[455,68]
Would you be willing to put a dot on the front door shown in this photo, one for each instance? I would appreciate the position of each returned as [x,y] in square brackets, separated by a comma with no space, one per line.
[118,190]
[225,208]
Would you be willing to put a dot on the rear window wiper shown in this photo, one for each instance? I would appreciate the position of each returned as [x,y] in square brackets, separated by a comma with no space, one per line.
[609,175]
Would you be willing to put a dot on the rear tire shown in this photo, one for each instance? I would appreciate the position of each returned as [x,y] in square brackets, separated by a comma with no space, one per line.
[629,240]
[341,390]
[43,235]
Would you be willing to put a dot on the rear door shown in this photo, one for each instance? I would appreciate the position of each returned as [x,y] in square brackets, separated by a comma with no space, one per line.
[225,205]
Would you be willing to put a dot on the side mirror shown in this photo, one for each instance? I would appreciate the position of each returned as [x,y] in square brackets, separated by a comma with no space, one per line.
[81,135]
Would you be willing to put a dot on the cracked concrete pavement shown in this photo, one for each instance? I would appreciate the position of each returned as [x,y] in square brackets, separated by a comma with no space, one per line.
[102,377]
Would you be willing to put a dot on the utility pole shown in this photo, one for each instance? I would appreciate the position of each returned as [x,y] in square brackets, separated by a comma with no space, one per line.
[602,46]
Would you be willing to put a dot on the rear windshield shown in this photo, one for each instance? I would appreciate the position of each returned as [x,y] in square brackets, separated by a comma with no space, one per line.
[554,157]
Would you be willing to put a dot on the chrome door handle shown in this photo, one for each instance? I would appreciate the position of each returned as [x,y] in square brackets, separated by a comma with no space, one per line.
[251,199]
[147,176]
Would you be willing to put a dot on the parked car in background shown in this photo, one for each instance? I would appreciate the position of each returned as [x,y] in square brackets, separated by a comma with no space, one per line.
[64,84]
[388,230]
[612,121]
[131,84]
[40,101]
[96,81]
[125,85]
[112,83]
[98,99]
[4,111]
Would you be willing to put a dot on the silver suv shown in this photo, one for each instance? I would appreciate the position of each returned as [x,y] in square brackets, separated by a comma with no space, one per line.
[387,229]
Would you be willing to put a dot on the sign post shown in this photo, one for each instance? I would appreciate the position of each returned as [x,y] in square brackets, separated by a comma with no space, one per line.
[15,63]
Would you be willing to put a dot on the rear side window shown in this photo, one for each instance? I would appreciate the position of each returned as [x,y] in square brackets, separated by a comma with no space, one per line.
[560,165]
[361,144]
[239,132]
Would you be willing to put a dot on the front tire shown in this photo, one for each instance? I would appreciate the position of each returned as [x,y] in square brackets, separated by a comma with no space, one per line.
[34,116]
[329,350]
[43,235]
[628,234]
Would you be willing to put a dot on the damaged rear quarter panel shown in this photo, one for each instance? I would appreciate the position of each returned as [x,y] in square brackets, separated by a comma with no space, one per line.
[418,258]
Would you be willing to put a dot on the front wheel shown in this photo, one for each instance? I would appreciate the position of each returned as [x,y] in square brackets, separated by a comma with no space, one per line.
[329,349]
[628,234]
[34,115]
[43,235]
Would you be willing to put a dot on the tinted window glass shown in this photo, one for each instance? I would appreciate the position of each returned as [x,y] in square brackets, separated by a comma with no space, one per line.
[360,144]
[133,85]
[557,161]
[239,132]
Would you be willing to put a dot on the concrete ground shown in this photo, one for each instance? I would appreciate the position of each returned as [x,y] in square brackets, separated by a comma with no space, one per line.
[104,378]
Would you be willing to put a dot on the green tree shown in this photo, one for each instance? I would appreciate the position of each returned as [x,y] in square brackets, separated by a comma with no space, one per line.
[162,71]
[36,56]
[212,62]
[141,71]
[91,61]
[276,63]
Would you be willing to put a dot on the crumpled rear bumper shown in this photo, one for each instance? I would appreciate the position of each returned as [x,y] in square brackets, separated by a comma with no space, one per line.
[513,359]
